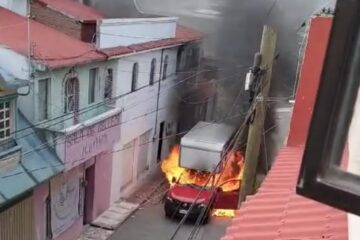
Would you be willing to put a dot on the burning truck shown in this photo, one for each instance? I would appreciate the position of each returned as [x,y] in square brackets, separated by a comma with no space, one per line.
[204,171]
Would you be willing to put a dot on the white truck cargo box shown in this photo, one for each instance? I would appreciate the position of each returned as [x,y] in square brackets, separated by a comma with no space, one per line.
[204,146]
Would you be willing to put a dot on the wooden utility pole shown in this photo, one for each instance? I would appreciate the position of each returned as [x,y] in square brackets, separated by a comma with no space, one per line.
[267,52]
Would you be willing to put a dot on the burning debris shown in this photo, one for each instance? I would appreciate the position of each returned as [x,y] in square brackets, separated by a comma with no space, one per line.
[224,213]
[226,180]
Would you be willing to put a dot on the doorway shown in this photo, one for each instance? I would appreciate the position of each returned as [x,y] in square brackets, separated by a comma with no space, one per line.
[89,194]
[161,135]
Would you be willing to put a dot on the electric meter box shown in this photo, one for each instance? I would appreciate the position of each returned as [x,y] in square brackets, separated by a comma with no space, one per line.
[205,145]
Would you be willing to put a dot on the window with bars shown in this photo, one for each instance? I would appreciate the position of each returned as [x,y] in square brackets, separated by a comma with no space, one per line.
[5,120]
[71,95]
[108,84]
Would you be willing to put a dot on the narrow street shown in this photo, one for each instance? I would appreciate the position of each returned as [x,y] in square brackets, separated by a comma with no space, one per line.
[150,223]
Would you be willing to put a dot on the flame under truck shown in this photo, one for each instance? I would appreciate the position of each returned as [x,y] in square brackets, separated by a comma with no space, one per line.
[202,150]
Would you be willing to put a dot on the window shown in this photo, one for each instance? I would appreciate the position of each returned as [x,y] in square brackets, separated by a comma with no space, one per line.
[43,98]
[134,77]
[166,63]
[152,71]
[322,176]
[180,60]
[93,79]
[108,84]
[5,120]
[71,95]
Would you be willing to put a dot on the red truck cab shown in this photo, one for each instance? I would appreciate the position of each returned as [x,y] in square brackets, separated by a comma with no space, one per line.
[180,197]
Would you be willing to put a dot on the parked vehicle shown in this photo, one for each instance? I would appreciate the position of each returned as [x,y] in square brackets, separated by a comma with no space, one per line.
[189,168]
[180,197]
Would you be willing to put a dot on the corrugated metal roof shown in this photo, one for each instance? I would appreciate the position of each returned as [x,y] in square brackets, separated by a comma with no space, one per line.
[276,212]
[38,163]
[38,158]
[73,9]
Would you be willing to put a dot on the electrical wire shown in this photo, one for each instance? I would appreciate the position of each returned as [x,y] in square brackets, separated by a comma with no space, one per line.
[210,176]
[111,152]
[104,102]
[248,116]
[94,106]
[45,144]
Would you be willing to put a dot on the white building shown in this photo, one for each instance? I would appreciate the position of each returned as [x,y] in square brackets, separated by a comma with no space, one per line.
[105,95]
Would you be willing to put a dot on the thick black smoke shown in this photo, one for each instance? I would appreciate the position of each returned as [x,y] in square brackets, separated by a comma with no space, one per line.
[233,29]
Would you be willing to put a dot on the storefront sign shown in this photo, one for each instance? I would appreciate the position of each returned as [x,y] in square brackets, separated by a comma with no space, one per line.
[64,201]
[90,141]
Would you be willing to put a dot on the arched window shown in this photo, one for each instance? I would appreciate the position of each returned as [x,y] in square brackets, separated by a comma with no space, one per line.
[166,63]
[134,77]
[71,95]
[152,71]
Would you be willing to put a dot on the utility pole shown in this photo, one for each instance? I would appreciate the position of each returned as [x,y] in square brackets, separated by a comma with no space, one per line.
[267,52]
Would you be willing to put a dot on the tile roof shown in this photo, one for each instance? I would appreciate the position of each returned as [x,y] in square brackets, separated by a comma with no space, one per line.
[276,212]
[183,35]
[47,51]
[73,9]
[45,42]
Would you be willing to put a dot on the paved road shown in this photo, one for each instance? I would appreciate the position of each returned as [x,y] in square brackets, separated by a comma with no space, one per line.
[150,224]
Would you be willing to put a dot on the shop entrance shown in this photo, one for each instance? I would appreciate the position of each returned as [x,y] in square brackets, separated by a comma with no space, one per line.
[89,194]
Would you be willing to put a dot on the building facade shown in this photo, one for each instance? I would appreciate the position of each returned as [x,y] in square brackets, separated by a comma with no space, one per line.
[26,164]
[107,111]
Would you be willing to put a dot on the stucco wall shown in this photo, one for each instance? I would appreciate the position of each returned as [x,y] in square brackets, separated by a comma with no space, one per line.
[56,99]
[309,80]
[125,32]
[139,115]
[18,6]
[102,188]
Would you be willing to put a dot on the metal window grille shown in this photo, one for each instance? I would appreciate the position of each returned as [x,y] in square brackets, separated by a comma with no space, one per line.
[5,120]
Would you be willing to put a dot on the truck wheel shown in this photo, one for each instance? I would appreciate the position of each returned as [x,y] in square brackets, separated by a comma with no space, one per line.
[207,216]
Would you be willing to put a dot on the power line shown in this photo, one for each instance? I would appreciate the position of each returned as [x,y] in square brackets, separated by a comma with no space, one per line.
[104,102]
[114,151]
[94,106]
[212,173]
[44,145]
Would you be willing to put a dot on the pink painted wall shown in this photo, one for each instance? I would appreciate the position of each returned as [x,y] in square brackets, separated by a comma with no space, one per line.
[40,194]
[102,191]
[309,80]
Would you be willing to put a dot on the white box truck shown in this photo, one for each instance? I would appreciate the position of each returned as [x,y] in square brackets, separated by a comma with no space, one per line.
[205,145]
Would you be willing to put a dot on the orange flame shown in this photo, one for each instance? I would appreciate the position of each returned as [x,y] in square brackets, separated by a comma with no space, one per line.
[229,178]
[224,213]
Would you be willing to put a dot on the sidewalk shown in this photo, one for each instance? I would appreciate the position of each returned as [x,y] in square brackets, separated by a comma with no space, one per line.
[103,227]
